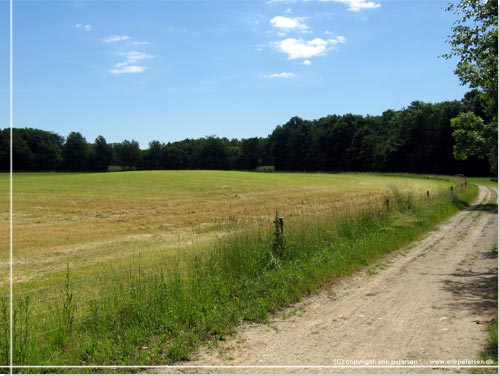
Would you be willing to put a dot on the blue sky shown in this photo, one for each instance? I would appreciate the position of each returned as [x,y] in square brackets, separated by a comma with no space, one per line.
[167,70]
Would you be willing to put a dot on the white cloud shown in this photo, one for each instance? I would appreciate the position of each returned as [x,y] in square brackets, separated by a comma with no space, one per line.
[134,57]
[306,62]
[301,49]
[85,27]
[128,69]
[355,5]
[115,38]
[281,75]
[288,23]
[131,58]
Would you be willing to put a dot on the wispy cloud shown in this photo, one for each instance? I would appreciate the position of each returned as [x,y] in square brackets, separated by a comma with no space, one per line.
[355,5]
[135,56]
[281,75]
[306,62]
[115,38]
[128,69]
[130,63]
[301,49]
[85,27]
[140,43]
[288,23]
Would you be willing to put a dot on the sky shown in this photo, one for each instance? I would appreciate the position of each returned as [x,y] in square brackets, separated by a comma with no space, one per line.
[168,70]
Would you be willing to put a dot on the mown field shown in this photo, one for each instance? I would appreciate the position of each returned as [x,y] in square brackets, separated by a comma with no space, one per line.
[91,249]
[99,222]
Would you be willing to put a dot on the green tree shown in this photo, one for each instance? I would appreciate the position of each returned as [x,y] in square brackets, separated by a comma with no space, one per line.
[153,156]
[211,153]
[249,154]
[473,137]
[75,152]
[102,155]
[474,40]
[128,154]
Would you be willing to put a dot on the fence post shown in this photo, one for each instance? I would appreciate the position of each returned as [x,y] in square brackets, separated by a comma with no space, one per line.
[387,204]
[278,232]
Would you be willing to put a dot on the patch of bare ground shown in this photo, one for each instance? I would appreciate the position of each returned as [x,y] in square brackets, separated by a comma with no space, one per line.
[428,302]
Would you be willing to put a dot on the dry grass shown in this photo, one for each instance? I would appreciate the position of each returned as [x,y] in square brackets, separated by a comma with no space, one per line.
[100,223]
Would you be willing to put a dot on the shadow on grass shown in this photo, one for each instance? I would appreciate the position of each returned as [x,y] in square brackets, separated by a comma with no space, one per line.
[487,208]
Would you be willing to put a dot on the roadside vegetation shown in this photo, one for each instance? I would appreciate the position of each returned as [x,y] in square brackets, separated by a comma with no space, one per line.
[159,311]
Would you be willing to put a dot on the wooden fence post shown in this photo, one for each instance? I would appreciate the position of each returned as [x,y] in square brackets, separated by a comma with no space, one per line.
[278,233]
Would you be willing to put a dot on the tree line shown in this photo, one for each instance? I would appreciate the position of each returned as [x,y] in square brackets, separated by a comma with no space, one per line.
[418,139]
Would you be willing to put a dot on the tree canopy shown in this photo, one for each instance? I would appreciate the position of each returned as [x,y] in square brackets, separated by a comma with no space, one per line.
[474,40]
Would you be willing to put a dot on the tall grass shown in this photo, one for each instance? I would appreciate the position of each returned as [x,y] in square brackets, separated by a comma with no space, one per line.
[161,315]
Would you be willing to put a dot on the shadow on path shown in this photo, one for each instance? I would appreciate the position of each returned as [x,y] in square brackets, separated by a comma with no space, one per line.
[475,291]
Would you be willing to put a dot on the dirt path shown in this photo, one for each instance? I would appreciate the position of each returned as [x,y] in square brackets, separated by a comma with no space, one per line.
[429,301]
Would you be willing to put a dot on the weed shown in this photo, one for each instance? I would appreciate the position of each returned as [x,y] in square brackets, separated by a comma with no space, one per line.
[491,351]
[331,293]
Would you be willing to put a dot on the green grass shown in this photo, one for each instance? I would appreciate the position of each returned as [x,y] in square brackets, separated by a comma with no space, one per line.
[491,348]
[492,182]
[160,315]
[491,351]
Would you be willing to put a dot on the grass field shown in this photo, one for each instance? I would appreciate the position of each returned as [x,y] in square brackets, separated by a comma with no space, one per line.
[97,222]
[485,181]
[77,236]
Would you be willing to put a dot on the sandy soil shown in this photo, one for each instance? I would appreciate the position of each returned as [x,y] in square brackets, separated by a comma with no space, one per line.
[428,302]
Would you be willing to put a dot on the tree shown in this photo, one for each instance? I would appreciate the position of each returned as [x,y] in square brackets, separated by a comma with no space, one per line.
[474,41]
[249,154]
[102,155]
[128,154]
[47,147]
[75,152]
[211,153]
[473,137]
[153,156]
[175,157]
